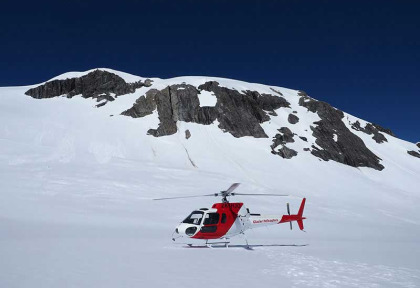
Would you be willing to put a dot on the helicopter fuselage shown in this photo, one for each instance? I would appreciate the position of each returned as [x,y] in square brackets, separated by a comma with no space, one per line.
[225,220]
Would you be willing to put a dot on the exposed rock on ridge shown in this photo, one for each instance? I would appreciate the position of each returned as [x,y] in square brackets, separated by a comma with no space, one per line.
[285,136]
[414,153]
[240,114]
[370,129]
[293,119]
[92,85]
[286,152]
[145,105]
[384,130]
[349,149]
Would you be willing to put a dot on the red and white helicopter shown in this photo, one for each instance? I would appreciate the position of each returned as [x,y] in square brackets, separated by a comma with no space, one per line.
[225,220]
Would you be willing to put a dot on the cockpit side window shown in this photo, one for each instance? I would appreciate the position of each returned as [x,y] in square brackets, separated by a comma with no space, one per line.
[194,218]
[211,219]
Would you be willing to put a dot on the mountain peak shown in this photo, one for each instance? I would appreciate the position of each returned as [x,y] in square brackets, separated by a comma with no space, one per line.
[294,122]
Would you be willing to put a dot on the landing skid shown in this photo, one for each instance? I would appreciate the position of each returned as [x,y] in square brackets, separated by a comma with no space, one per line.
[210,245]
[220,244]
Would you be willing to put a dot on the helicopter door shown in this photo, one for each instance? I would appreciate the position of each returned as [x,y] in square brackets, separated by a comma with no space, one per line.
[210,223]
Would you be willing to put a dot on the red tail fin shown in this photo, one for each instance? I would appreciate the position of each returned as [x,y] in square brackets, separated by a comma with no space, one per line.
[300,223]
[302,206]
[298,217]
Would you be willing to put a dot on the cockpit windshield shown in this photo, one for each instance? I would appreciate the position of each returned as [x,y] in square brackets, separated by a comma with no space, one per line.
[194,218]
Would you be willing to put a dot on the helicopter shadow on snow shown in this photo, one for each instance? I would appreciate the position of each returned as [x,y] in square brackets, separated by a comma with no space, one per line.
[247,247]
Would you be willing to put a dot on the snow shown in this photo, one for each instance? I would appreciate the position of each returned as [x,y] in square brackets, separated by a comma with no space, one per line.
[129,78]
[76,209]
[207,98]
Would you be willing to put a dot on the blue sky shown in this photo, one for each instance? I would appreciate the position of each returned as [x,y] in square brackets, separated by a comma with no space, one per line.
[360,56]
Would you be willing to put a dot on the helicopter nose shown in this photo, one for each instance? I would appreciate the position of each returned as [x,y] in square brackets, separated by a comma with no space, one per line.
[185,230]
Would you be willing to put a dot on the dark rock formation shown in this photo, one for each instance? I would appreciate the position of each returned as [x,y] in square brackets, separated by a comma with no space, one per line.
[101,104]
[285,152]
[241,114]
[278,92]
[302,93]
[414,153]
[268,102]
[293,119]
[167,125]
[187,134]
[92,85]
[370,129]
[174,103]
[384,130]
[184,102]
[418,144]
[238,113]
[186,106]
[285,136]
[349,149]
[145,105]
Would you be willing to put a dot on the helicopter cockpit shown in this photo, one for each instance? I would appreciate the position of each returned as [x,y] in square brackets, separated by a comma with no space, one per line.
[194,218]
[204,220]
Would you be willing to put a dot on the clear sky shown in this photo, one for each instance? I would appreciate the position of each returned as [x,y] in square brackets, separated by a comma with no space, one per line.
[362,57]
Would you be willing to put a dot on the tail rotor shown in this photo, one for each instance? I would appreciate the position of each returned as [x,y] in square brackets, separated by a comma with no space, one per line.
[288,212]
[295,217]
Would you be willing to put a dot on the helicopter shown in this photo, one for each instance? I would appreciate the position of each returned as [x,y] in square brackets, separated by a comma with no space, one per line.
[225,220]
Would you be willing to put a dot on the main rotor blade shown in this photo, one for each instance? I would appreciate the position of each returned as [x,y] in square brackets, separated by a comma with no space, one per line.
[252,194]
[194,196]
[231,188]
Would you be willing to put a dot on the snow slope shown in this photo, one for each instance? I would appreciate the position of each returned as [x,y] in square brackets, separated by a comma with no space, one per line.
[76,208]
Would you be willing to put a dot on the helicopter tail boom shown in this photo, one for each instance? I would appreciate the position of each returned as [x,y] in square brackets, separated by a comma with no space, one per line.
[258,220]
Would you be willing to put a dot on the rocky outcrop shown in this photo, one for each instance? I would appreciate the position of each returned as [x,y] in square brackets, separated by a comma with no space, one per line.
[285,152]
[276,91]
[293,119]
[167,125]
[285,136]
[267,102]
[418,144]
[186,106]
[240,114]
[97,84]
[370,129]
[145,105]
[349,149]
[281,139]
[384,130]
[414,153]
[302,93]
[174,103]
[187,134]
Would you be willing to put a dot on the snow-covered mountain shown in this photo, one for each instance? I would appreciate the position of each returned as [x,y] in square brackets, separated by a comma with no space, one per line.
[84,153]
